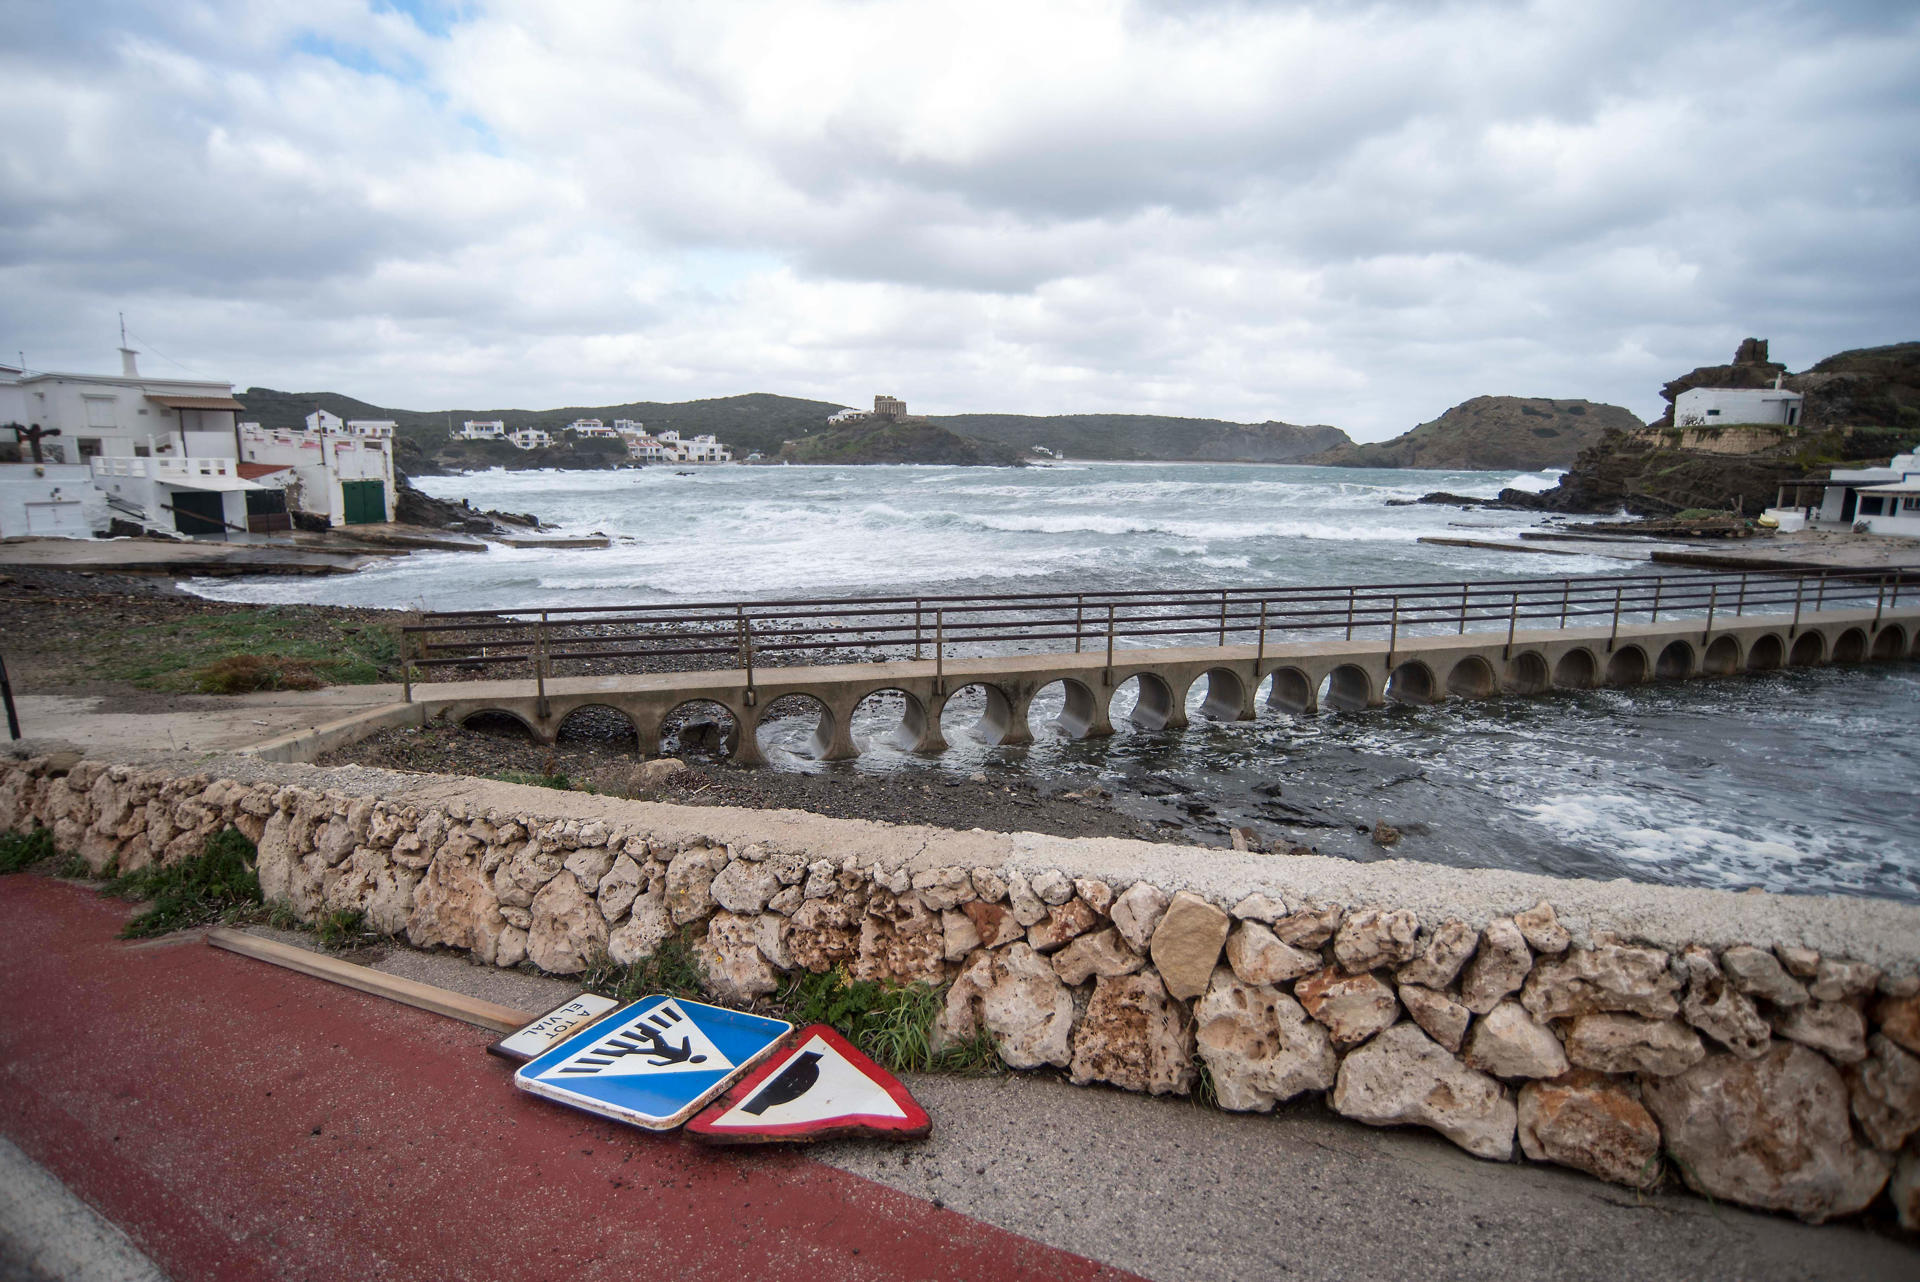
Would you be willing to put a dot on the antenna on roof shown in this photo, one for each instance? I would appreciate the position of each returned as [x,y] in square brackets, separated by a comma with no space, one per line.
[123,329]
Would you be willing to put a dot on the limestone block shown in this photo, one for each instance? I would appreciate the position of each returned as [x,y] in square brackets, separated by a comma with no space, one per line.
[690,877]
[1444,1019]
[1500,965]
[1134,1037]
[989,885]
[1053,886]
[520,918]
[1508,1042]
[589,864]
[1715,1008]
[822,934]
[1593,1124]
[821,879]
[1447,951]
[1258,957]
[1904,1189]
[1261,908]
[1372,939]
[1606,977]
[511,949]
[995,923]
[1611,1042]
[943,888]
[786,902]
[901,946]
[1063,923]
[1899,1019]
[1096,894]
[1259,1045]
[1102,953]
[790,867]
[1014,994]
[649,775]
[1187,943]
[1759,974]
[370,884]
[1137,913]
[619,887]
[1835,1029]
[520,877]
[1885,1090]
[1841,981]
[1801,963]
[736,968]
[1769,1132]
[743,887]
[958,935]
[454,907]
[1352,1007]
[648,925]
[1028,907]
[568,931]
[1404,1078]
[1542,930]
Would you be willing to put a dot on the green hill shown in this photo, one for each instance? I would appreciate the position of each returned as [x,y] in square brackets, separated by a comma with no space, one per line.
[1491,433]
[1149,436]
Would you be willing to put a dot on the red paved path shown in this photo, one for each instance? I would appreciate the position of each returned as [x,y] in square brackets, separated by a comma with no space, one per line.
[239,1121]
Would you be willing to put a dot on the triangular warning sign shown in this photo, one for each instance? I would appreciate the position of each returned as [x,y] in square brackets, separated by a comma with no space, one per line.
[662,1041]
[815,1086]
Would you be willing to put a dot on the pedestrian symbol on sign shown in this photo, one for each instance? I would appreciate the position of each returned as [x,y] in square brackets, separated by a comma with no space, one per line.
[649,1046]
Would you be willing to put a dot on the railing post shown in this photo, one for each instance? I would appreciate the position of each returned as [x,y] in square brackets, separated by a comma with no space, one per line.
[406,663]
[1566,599]
[1223,617]
[1740,604]
[1106,678]
[1713,599]
[1260,653]
[1513,620]
[940,651]
[1614,634]
[1879,602]
[1350,612]
[1654,617]
[1820,597]
[540,665]
[1463,609]
[746,654]
[1393,633]
[1079,620]
[1799,591]
[916,628]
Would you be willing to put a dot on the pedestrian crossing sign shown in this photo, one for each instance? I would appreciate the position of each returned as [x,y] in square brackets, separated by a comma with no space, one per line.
[654,1063]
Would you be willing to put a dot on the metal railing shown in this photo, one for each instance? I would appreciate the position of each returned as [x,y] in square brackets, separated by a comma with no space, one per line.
[739,634]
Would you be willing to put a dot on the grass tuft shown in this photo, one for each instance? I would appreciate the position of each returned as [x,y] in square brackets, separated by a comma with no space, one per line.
[218,884]
[552,779]
[342,928]
[673,969]
[20,851]
[247,673]
[893,1023]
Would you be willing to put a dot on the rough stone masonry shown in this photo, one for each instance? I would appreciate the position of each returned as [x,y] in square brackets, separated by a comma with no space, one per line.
[1767,1047]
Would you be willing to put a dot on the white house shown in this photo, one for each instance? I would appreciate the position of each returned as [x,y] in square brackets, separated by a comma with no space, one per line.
[475,429]
[1881,496]
[628,427]
[342,471]
[591,427]
[530,438]
[1725,406]
[162,452]
[847,416]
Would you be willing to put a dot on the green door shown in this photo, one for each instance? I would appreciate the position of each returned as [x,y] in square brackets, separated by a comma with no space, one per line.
[363,502]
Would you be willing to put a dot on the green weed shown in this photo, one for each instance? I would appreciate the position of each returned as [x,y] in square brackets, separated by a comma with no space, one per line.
[342,928]
[20,851]
[553,780]
[73,868]
[296,642]
[893,1023]
[674,969]
[219,884]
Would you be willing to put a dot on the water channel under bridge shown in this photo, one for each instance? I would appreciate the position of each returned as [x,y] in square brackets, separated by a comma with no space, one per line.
[1343,648]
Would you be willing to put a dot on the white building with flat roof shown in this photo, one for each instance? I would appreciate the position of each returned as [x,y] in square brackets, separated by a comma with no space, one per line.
[340,471]
[530,438]
[475,429]
[1725,406]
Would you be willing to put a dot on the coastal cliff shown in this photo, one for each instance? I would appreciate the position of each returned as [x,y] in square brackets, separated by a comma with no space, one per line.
[1150,436]
[1490,433]
[905,441]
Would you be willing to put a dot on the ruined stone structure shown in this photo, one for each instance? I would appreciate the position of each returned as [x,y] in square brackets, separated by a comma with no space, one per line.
[1766,1047]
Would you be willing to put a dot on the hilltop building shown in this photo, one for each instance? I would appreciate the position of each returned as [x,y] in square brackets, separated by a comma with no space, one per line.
[1726,406]
[592,427]
[890,409]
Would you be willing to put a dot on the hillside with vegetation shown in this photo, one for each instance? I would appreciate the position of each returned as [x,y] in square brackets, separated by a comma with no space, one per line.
[1149,436]
[889,441]
[1490,433]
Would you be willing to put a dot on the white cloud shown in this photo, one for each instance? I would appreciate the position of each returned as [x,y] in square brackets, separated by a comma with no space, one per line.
[1356,214]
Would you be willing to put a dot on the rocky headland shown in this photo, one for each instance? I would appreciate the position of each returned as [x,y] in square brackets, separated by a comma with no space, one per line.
[1491,433]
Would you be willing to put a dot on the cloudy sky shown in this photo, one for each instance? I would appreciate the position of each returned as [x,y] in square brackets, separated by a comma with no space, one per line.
[1345,213]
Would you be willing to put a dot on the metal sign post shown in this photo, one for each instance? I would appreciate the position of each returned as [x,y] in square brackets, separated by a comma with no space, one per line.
[6,696]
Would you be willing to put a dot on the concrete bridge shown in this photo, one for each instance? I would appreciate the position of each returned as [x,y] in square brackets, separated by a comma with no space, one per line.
[1222,681]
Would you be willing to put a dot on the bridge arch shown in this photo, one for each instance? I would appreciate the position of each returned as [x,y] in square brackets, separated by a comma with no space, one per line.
[700,728]
[1627,667]
[1675,662]
[1527,673]
[1080,713]
[1850,646]
[1472,678]
[997,721]
[1723,657]
[1809,650]
[502,724]
[1290,690]
[1890,642]
[1767,653]
[1154,704]
[897,717]
[1225,697]
[598,725]
[1576,670]
[1411,683]
[1347,688]
[821,743]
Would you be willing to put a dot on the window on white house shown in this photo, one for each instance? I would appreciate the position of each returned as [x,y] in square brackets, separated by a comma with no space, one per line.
[100,411]
[89,447]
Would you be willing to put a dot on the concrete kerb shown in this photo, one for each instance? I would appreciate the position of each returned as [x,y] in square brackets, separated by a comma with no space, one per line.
[308,745]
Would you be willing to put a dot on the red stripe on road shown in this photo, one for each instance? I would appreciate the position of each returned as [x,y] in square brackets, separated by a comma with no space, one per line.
[242,1122]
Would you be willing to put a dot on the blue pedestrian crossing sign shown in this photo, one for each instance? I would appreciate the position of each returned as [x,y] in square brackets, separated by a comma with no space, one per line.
[653,1064]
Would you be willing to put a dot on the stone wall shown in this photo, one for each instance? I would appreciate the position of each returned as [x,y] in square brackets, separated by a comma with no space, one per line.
[1765,1047]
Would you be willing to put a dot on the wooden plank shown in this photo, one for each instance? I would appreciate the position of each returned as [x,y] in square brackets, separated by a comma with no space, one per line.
[441,1001]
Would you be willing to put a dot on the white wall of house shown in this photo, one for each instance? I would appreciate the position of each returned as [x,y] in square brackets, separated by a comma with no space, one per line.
[50,499]
[1896,511]
[1716,406]
[475,429]
[321,461]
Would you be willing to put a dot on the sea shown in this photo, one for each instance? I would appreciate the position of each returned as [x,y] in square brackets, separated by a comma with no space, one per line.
[1796,781]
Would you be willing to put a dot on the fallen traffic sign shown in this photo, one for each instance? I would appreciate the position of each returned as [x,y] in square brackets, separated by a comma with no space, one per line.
[552,1028]
[818,1085]
[653,1064]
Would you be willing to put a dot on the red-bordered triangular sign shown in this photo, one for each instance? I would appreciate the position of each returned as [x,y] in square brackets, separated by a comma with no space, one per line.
[817,1086]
